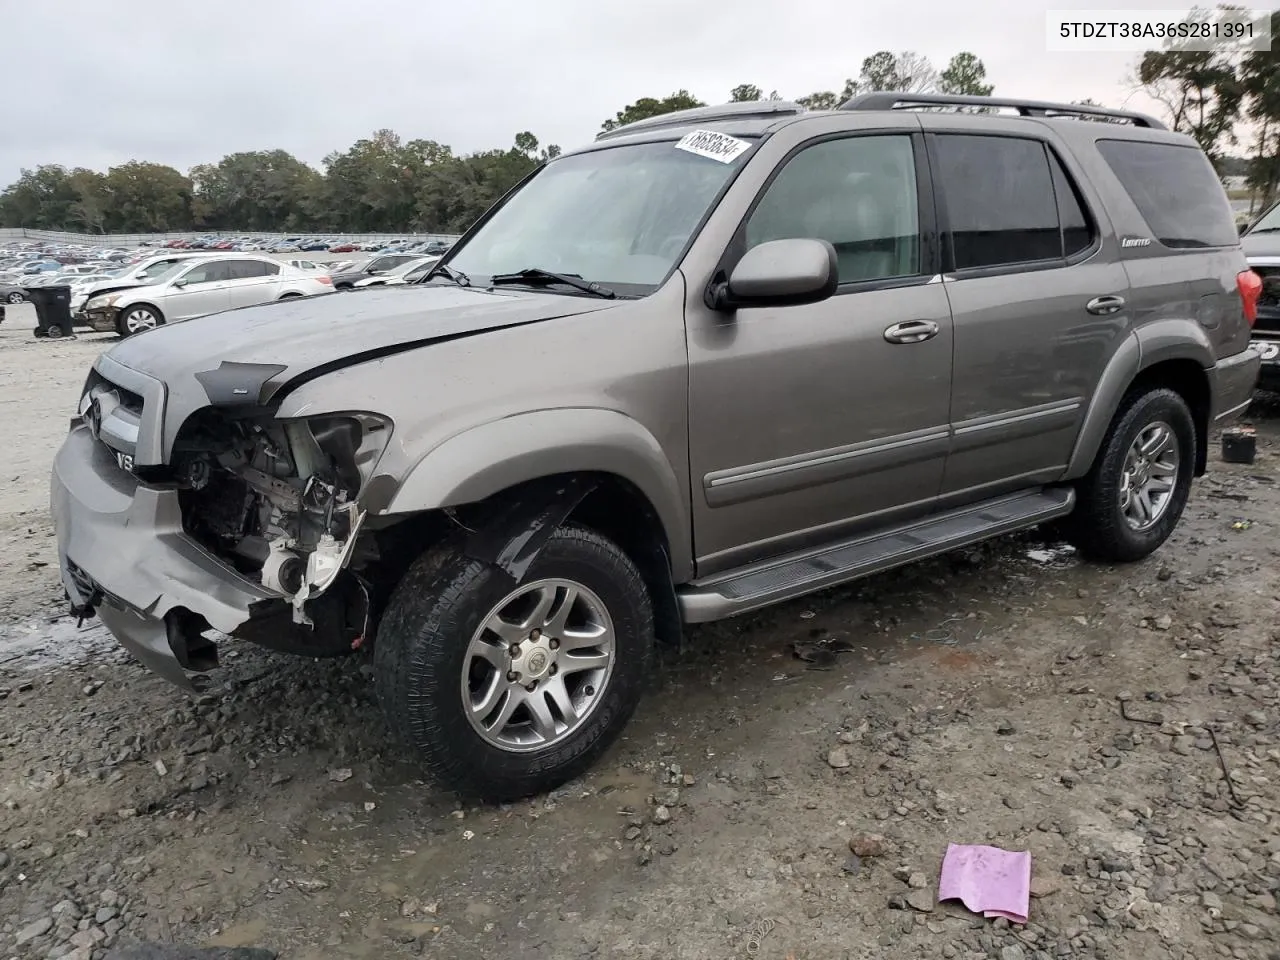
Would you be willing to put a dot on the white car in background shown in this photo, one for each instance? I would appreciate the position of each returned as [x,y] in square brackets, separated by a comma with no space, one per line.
[194,288]
[405,273]
[307,265]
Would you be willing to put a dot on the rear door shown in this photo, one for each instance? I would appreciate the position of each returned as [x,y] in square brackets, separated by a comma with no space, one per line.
[252,282]
[1038,301]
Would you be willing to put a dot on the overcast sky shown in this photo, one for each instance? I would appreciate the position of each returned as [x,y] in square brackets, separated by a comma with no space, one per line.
[98,82]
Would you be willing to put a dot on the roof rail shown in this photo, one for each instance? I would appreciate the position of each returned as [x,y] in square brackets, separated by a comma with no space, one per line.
[894,100]
[751,110]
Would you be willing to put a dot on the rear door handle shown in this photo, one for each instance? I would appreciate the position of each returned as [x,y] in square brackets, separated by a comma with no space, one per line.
[911,331]
[1102,306]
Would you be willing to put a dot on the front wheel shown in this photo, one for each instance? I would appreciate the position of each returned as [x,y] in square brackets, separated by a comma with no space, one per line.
[1132,499]
[16,297]
[507,690]
[138,318]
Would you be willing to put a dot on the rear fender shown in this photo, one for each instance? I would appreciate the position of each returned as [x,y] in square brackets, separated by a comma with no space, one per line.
[1152,343]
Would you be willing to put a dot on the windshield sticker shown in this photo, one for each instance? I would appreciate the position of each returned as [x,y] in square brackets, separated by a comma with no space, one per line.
[714,146]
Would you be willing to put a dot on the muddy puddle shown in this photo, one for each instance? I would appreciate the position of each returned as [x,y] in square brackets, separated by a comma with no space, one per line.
[41,644]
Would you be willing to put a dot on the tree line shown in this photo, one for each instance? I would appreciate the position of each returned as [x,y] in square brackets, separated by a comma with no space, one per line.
[380,184]
[384,184]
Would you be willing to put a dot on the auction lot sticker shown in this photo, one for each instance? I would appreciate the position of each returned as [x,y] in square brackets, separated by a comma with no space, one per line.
[713,146]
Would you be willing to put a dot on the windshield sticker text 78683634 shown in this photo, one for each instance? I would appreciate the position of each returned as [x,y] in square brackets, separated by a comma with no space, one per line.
[713,146]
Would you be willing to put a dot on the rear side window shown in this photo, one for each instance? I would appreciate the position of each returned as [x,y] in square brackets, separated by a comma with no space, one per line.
[1000,200]
[1176,191]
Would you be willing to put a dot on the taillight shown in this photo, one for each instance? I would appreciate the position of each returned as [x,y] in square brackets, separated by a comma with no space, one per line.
[1250,286]
[328,281]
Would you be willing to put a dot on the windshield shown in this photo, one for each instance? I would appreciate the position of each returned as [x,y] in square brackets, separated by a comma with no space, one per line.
[160,272]
[618,216]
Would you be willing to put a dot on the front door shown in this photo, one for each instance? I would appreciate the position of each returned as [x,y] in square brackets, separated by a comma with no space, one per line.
[807,423]
[1039,304]
[197,291]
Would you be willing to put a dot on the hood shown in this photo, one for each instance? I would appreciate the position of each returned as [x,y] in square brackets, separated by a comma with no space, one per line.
[1261,244]
[246,356]
[108,286]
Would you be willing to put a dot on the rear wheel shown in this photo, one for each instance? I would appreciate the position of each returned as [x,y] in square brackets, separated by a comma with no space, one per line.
[16,297]
[137,318]
[1132,499]
[508,690]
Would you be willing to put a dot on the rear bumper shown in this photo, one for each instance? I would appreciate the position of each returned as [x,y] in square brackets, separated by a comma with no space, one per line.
[1232,381]
[122,549]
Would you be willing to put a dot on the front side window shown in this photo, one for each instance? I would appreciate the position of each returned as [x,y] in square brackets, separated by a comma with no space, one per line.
[206,273]
[620,216]
[859,194]
[1000,202]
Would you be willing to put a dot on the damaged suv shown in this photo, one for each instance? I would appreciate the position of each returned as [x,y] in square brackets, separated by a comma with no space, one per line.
[715,360]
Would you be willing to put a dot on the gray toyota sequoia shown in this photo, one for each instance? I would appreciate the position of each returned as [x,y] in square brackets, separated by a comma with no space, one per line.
[712,361]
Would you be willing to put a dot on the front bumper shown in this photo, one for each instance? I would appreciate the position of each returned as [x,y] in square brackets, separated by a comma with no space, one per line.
[123,550]
[1232,381]
[102,320]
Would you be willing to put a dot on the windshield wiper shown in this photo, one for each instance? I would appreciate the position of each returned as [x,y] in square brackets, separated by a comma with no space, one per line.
[457,276]
[538,275]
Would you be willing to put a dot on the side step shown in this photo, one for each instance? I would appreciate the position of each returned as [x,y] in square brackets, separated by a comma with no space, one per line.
[772,581]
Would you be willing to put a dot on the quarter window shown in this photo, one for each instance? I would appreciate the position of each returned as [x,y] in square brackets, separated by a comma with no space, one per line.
[858,193]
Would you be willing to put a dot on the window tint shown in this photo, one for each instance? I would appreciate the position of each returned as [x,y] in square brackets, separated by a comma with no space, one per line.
[248,269]
[1077,232]
[999,199]
[859,194]
[1176,191]
[206,272]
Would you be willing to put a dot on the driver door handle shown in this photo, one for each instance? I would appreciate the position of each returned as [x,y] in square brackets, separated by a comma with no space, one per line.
[911,331]
[1102,306]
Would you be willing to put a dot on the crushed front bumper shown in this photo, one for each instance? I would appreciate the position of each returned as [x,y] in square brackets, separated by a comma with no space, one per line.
[103,320]
[122,551]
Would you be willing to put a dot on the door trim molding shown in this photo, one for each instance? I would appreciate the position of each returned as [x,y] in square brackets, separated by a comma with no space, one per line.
[768,478]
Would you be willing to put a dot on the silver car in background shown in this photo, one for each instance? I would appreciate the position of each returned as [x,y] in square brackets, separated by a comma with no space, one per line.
[198,286]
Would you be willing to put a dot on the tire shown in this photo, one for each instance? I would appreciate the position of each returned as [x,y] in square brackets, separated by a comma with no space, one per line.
[1099,526]
[425,665]
[137,318]
[16,297]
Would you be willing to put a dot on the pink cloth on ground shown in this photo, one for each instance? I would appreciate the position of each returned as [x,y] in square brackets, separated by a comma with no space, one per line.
[987,880]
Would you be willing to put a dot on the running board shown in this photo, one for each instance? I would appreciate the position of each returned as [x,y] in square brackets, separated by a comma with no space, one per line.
[772,581]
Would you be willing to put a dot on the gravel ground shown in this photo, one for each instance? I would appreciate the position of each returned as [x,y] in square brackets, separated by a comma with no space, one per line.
[1007,695]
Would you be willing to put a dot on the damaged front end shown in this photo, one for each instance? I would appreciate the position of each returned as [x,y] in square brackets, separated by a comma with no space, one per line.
[276,500]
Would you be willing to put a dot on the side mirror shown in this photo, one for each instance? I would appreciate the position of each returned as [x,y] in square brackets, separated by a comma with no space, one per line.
[180,283]
[780,273]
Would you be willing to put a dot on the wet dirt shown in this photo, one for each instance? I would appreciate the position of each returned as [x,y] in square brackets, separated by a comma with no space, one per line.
[975,698]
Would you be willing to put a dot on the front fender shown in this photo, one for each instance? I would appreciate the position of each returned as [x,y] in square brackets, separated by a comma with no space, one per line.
[1152,343]
[487,459]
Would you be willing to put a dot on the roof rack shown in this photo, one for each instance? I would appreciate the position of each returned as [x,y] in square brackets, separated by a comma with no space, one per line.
[751,110]
[893,100]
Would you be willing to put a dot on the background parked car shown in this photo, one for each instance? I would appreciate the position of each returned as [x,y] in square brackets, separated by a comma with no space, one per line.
[405,273]
[193,289]
[11,293]
[371,267]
